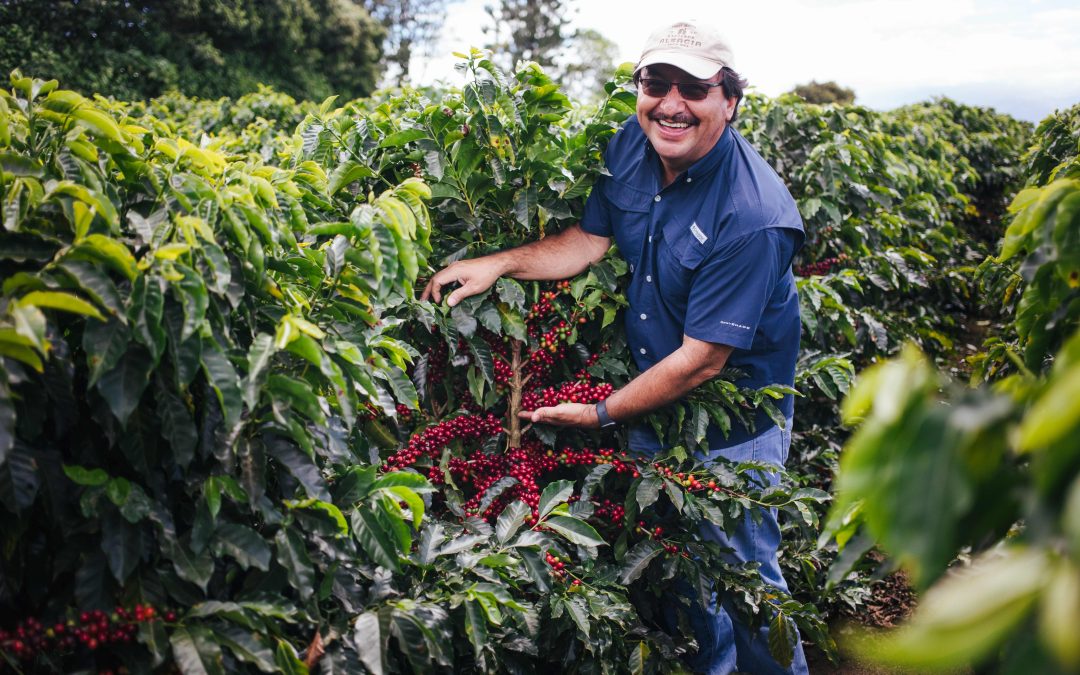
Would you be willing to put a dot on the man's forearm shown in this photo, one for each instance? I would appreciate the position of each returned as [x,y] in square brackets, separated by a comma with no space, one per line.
[669,380]
[556,256]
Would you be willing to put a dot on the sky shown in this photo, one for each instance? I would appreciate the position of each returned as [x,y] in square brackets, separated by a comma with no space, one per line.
[1021,57]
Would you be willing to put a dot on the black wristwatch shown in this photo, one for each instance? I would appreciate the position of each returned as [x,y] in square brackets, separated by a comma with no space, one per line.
[605,419]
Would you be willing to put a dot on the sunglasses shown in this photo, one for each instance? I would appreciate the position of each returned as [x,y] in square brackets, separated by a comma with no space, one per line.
[691,91]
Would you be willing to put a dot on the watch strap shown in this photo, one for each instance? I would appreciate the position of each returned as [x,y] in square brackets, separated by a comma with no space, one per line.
[602,414]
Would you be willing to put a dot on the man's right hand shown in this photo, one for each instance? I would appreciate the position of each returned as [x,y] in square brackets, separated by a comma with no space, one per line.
[556,256]
[474,276]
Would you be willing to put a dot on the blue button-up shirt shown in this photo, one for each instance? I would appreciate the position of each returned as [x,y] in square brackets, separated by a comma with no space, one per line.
[710,257]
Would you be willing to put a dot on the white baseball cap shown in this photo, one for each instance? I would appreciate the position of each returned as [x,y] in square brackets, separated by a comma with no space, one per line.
[689,46]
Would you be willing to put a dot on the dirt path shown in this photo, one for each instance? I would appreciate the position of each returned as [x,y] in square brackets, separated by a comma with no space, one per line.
[891,603]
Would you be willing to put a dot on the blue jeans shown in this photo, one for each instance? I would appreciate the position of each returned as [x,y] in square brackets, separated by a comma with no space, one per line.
[726,643]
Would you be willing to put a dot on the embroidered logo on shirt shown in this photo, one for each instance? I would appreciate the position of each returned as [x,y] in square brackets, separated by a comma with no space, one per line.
[735,325]
[698,234]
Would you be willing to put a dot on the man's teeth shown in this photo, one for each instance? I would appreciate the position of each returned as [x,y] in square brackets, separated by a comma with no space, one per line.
[674,125]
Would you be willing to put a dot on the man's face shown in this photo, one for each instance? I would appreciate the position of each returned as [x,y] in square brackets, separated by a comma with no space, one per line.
[682,131]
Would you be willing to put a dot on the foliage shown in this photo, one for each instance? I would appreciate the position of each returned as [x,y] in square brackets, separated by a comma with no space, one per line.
[1056,146]
[309,49]
[824,93]
[258,125]
[992,144]
[936,469]
[186,341]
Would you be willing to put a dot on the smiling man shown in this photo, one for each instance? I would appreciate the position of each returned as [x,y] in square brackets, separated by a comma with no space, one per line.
[709,231]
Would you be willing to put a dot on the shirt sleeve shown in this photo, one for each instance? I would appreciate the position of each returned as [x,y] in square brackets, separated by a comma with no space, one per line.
[597,219]
[732,287]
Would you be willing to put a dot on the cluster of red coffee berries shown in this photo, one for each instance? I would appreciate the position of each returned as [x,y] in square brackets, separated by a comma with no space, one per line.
[432,440]
[688,480]
[657,533]
[549,327]
[92,630]
[607,510]
[437,357]
[541,361]
[482,470]
[593,358]
[550,336]
[587,457]
[528,465]
[579,391]
[558,566]
[503,371]
[540,310]
[823,266]
[544,307]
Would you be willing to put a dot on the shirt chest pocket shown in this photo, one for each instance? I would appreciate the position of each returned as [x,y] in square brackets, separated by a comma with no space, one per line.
[681,250]
[629,218]
[685,244]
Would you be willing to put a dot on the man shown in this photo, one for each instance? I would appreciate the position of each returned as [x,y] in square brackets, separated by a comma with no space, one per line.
[709,232]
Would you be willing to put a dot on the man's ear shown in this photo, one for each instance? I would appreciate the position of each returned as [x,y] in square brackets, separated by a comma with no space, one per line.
[732,103]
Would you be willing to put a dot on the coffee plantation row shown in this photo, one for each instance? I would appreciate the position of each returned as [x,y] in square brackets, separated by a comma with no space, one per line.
[231,438]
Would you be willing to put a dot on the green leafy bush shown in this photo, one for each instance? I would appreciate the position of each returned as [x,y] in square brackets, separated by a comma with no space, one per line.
[137,50]
[186,344]
[937,470]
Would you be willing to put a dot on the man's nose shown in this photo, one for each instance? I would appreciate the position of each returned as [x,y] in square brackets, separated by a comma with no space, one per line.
[672,101]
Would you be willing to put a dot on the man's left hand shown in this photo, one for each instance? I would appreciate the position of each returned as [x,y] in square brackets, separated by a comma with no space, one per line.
[579,415]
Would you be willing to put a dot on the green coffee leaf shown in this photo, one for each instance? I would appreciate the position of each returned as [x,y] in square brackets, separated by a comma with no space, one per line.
[574,530]
[638,559]
[555,493]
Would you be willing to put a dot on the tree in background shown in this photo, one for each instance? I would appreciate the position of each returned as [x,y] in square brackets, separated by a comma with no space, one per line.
[412,26]
[825,92]
[588,63]
[530,30]
[306,48]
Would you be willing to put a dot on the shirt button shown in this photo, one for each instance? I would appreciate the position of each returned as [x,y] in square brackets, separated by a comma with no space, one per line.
[688,179]
[642,350]
[648,278]
[650,238]
[631,268]
[656,198]
[644,316]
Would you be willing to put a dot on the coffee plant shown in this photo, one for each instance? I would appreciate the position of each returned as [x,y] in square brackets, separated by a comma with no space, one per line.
[233,439]
[1001,459]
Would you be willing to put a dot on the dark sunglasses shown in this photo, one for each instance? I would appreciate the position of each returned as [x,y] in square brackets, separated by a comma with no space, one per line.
[691,91]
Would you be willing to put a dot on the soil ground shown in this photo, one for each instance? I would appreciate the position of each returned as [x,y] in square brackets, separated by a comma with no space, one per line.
[891,603]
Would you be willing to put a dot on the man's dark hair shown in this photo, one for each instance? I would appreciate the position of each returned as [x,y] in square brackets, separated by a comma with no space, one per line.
[733,88]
